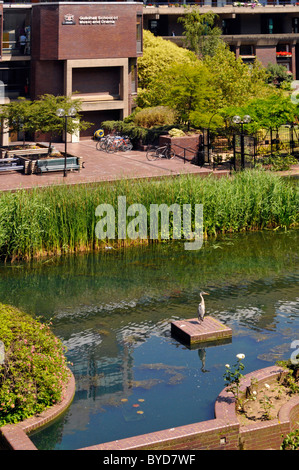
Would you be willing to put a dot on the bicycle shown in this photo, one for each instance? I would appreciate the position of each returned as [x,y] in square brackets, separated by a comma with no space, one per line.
[160,152]
[119,143]
[103,142]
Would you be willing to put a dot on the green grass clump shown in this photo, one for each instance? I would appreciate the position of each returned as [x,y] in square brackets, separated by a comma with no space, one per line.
[62,219]
[34,373]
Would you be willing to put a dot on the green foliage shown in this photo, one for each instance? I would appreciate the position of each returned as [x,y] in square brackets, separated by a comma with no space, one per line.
[34,373]
[46,120]
[40,115]
[158,55]
[278,75]
[19,115]
[235,82]
[156,116]
[291,441]
[176,132]
[62,219]
[232,377]
[279,162]
[201,35]
[187,90]
[272,111]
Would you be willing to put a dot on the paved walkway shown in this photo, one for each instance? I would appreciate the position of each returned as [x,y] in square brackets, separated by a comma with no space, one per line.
[101,166]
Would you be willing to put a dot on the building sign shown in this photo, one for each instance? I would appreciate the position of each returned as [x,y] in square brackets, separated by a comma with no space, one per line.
[69,19]
[89,20]
[98,19]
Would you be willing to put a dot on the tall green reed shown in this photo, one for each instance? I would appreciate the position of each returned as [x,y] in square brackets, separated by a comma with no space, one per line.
[62,219]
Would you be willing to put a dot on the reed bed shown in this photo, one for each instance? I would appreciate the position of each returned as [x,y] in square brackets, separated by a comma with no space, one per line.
[62,219]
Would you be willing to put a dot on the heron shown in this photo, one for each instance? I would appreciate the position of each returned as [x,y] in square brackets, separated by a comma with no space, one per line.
[201,307]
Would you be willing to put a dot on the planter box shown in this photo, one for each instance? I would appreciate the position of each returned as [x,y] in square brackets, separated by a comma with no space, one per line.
[185,147]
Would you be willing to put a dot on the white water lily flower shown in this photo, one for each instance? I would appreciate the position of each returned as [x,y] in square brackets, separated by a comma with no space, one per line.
[227,366]
[240,356]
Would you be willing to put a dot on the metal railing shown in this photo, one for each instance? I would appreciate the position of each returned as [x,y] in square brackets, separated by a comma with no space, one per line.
[186,152]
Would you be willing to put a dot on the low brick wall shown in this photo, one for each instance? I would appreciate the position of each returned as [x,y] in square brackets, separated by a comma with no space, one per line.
[15,436]
[222,433]
[178,144]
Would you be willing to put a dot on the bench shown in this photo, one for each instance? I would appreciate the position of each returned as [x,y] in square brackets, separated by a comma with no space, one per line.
[10,164]
[57,164]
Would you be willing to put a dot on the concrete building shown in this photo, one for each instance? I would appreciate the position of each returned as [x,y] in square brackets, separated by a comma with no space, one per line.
[87,50]
[90,49]
[268,31]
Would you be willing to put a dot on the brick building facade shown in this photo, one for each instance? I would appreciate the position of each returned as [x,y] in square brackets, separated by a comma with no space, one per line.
[267,30]
[88,50]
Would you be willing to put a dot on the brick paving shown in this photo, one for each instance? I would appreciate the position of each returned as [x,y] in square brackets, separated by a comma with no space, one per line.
[101,166]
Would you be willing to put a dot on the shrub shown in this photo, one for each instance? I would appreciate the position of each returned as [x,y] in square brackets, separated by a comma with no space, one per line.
[156,116]
[34,372]
[176,132]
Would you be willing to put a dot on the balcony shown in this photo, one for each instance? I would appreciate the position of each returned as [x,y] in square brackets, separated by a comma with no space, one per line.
[222,7]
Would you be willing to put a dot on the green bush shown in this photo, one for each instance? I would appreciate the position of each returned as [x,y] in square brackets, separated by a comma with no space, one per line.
[156,116]
[34,373]
[176,132]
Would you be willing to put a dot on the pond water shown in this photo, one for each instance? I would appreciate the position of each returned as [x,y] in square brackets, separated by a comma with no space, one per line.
[113,311]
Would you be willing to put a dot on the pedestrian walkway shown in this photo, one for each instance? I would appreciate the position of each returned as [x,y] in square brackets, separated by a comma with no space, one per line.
[100,166]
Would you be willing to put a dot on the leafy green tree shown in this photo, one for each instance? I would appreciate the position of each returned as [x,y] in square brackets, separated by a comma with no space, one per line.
[201,35]
[235,81]
[187,90]
[18,116]
[40,116]
[270,112]
[278,75]
[158,55]
[46,120]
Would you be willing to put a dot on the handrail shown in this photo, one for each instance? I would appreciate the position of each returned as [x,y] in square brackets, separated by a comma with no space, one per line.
[190,149]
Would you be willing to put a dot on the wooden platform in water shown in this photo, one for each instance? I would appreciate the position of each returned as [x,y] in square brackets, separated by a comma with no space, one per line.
[191,332]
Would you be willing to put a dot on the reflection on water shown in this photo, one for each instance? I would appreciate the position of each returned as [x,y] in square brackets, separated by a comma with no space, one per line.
[113,312]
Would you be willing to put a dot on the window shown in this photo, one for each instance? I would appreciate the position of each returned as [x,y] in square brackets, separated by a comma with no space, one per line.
[16,32]
[295,25]
[247,50]
[270,26]
[153,26]
[133,72]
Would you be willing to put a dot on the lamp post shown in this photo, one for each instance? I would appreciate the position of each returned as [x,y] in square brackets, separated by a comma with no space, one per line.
[237,120]
[70,114]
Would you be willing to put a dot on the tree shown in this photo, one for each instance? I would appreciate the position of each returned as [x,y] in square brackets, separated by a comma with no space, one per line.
[46,120]
[201,35]
[235,81]
[158,55]
[270,112]
[187,90]
[40,116]
[18,115]
[278,75]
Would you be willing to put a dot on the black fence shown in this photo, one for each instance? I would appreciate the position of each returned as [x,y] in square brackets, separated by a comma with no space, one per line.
[239,150]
